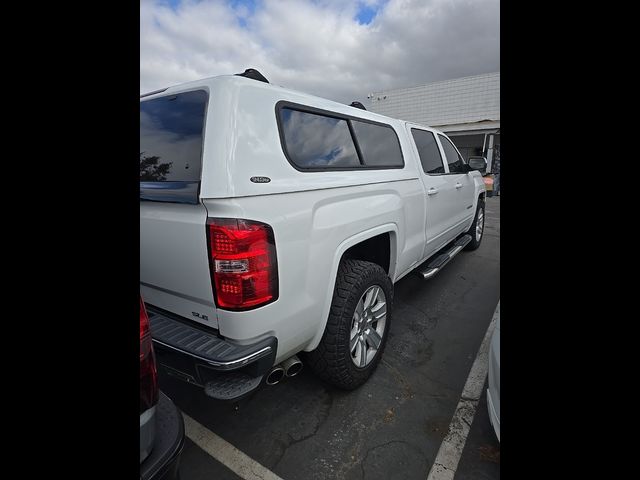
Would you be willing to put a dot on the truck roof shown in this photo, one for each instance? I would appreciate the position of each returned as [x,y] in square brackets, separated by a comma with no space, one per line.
[235,81]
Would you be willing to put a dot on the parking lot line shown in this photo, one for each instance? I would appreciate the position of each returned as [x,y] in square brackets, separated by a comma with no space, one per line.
[446,462]
[232,458]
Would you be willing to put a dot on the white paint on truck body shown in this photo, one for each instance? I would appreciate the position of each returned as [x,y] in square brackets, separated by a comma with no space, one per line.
[316,216]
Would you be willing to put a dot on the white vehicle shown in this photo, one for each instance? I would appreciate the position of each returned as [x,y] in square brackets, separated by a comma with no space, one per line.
[493,390]
[273,222]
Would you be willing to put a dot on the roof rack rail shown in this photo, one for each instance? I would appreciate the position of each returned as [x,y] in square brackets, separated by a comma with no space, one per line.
[357,105]
[153,93]
[253,74]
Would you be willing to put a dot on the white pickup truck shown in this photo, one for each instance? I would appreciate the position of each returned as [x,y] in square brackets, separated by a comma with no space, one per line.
[275,223]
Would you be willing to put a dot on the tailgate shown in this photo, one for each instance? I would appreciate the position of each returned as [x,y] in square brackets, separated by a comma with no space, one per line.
[174,265]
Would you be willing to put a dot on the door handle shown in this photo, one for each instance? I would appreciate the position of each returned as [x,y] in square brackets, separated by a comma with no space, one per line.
[458,185]
[432,191]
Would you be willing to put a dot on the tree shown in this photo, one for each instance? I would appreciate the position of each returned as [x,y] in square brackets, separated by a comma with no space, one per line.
[151,170]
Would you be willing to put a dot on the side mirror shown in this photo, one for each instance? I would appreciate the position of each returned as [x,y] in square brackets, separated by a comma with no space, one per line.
[477,163]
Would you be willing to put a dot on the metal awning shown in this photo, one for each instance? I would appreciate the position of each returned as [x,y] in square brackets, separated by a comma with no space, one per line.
[484,131]
[471,128]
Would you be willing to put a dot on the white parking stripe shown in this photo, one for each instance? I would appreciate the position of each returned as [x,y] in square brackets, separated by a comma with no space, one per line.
[446,462]
[232,458]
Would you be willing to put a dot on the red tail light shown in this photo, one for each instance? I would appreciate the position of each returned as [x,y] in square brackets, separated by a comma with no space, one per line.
[243,262]
[148,373]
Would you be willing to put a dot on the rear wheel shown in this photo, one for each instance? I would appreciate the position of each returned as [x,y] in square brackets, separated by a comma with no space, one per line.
[477,227]
[357,327]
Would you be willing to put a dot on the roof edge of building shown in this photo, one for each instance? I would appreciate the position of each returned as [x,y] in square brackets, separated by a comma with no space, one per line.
[433,83]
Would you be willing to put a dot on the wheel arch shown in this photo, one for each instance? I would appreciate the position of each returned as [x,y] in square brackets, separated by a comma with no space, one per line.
[391,229]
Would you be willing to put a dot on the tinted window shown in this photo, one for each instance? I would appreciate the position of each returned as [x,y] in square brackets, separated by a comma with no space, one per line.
[378,144]
[428,151]
[317,141]
[455,161]
[171,137]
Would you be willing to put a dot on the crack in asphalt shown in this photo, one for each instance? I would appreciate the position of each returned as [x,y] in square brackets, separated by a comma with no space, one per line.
[357,457]
[466,422]
[354,457]
[324,413]
[471,399]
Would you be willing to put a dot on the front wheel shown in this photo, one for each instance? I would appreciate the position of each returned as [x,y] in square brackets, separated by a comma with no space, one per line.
[477,228]
[357,327]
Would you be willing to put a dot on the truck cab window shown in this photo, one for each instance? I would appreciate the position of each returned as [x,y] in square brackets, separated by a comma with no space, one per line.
[454,159]
[428,151]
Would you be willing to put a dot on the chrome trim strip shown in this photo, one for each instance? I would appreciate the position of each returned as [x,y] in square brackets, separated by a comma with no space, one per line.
[222,365]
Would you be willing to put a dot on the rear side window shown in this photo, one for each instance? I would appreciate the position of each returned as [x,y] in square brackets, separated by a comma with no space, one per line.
[171,129]
[378,144]
[454,159]
[428,151]
[315,140]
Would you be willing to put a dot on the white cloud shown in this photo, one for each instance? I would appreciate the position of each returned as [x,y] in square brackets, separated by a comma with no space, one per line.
[319,46]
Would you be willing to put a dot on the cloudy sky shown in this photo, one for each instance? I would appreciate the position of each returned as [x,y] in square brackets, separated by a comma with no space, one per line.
[338,49]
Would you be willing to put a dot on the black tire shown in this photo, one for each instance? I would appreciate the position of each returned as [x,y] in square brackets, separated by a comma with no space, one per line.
[475,242]
[331,360]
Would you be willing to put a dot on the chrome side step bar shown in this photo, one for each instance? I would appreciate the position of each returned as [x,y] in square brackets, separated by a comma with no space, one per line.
[439,261]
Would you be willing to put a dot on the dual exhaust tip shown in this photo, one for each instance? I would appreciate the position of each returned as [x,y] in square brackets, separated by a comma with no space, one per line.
[290,368]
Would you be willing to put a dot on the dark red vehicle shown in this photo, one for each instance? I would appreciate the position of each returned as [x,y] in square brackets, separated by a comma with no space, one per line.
[161,424]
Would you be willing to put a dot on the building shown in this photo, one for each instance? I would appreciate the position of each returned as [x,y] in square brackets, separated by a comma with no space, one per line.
[466,109]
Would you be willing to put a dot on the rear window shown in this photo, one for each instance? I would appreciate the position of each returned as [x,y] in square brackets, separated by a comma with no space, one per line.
[379,144]
[171,129]
[319,141]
